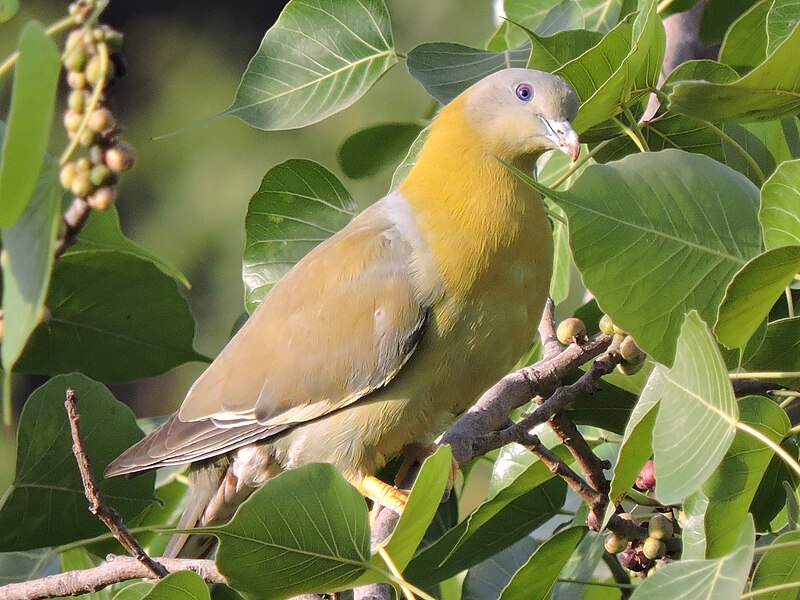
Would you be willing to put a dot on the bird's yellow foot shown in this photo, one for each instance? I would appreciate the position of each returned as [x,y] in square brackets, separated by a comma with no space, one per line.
[384,494]
[417,453]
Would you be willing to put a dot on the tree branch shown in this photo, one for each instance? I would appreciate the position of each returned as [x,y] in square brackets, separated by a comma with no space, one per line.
[105,513]
[118,568]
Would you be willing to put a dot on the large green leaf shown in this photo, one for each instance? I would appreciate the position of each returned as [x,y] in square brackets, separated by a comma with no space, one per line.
[550,53]
[298,205]
[29,118]
[306,530]
[23,566]
[114,317]
[693,535]
[580,567]
[317,59]
[78,559]
[8,8]
[732,486]
[488,578]
[368,151]
[770,91]
[658,234]
[745,43]
[536,579]
[46,506]
[713,579]
[752,292]
[637,446]
[769,499]
[26,261]
[606,75]
[445,69]
[780,349]
[102,231]
[781,19]
[183,585]
[517,509]
[697,417]
[779,567]
[780,206]
[718,16]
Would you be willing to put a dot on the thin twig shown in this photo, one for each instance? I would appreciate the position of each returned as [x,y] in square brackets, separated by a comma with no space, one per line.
[114,570]
[105,513]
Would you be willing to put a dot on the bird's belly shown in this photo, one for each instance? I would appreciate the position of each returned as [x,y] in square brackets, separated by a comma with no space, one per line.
[471,341]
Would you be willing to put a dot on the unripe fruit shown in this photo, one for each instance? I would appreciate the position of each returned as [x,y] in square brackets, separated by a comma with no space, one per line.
[87,138]
[72,120]
[98,35]
[100,119]
[615,544]
[660,527]
[94,71]
[646,480]
[653,548]
[81,185]
[101,175]
[76,101]
[83,165]
[102,198]
[120,158]
[606,326]
[75,80]
[618,330]
[631,352]
[570,330]
[74,38]
[75,59]
[67,175]
[113,39]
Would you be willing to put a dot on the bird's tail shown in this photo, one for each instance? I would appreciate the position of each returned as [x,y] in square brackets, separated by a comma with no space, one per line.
[214,497]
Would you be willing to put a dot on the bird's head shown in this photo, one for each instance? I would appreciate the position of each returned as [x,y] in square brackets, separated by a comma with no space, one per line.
[522,112]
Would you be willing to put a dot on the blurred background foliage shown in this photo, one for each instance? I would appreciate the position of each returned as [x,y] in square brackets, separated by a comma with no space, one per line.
[187,197]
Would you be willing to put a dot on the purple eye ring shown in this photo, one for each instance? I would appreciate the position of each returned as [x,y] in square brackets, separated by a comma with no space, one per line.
[524,92]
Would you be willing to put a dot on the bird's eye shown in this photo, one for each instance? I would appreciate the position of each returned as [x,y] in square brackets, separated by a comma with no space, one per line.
[524,92]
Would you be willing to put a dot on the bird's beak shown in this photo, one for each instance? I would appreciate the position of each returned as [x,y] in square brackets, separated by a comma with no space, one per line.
[563,137]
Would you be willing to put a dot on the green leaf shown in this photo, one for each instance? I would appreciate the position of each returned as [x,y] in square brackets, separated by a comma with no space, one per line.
[780,350]
[298,205]
[581,566]
[718,16]
[552,52]
[745,43]
[315,529]
[24,566]
[445,70]
[368,151]
[781,19]
[752,292]
[675,229]
[605,76]
[779,567]
[102,231]
[488,578]
[780,206]
[317,59]
[134,591]
[537,578]
[515,511]
[698,413]
[690,579]
[769,499]
[46,506]
[423,502]
[106,305]
[405,166]
[183,585]
[770,91]
[27,260]
[732,486]
[8,8]
[693,535]
[637,446]
[29,118]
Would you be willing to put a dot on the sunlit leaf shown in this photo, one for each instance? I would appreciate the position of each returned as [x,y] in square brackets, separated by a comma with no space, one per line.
[779,567]
[780,206]
[298,205]
[183,585]
[317,59]
[32,104]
